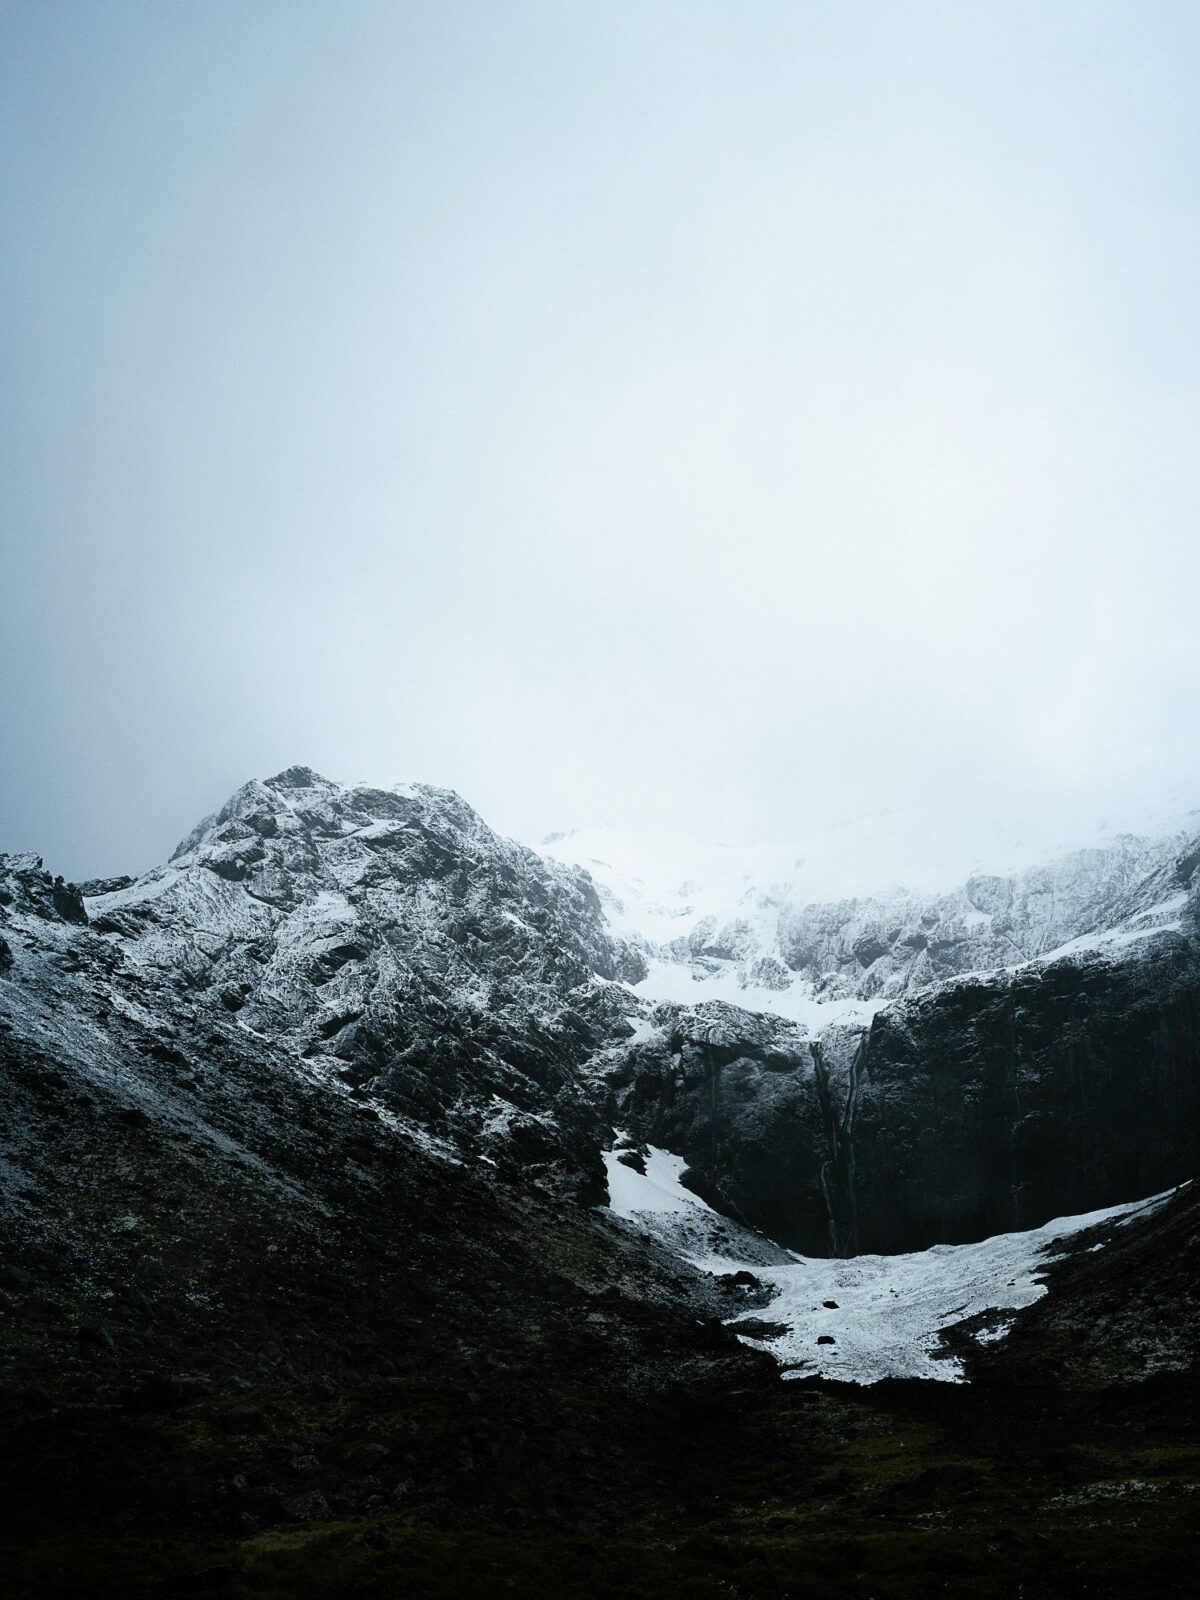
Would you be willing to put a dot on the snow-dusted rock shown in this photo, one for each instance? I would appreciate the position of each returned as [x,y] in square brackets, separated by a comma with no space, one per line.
[759,928]
[388,945]
[390,941]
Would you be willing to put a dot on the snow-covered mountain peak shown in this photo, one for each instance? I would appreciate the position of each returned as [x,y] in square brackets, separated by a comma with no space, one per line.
[807,932]
[388,937]
[300,801]
[388,944]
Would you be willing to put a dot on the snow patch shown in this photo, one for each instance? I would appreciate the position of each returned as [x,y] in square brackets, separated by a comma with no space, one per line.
[684,985]
[885,1315]
[656,1193]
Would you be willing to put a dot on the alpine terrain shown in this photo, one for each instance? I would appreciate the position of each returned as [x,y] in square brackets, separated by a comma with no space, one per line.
[390,1208]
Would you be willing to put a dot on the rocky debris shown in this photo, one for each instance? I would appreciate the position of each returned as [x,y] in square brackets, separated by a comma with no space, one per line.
[309,1507]
[758,1328]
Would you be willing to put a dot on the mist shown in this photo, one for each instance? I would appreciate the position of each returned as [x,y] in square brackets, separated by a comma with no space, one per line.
[732,418]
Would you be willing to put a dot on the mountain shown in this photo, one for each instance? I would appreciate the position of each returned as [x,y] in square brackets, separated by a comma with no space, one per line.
[901,1069]
[395,945]
[368,1220]
[748,926]
[923,1089]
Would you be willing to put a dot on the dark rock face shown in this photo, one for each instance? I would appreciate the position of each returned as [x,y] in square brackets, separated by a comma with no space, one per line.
[26,886]
[994,1106]
[735,1093]
[982,1107]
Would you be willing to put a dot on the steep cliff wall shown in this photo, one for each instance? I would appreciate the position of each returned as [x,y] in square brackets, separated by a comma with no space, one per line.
[986,1105]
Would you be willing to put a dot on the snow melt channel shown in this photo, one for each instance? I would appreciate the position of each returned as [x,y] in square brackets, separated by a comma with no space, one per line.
[884,1314]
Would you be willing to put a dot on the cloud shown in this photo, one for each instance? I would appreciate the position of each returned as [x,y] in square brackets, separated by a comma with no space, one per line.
[740,417]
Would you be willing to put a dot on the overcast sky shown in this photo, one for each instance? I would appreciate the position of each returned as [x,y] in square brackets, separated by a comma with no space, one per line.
[733,416]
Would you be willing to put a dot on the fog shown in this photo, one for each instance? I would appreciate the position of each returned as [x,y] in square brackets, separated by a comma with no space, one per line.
[730,417]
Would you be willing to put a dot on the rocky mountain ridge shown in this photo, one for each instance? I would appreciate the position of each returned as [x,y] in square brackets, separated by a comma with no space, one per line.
[393,942]
[900,1071]
[388,944]
[746,931]
[307,1286]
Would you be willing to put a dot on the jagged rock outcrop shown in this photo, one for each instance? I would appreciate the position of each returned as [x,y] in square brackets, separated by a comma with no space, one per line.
[904,943]
[27,888]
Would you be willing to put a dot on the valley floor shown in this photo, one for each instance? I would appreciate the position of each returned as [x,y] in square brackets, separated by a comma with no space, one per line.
[805,1489]
[417,1429]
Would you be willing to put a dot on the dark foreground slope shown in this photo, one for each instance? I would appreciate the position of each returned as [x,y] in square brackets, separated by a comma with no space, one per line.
[236,1308]
[1130,1311]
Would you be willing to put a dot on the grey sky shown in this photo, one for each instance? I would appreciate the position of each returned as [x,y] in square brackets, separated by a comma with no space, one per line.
[731,416]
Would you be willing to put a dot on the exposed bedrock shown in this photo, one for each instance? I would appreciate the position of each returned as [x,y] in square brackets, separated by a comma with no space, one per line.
[737,1094]
[984,1106]
[386,941]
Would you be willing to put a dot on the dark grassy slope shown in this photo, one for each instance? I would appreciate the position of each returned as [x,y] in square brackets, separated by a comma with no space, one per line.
[195,1346]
